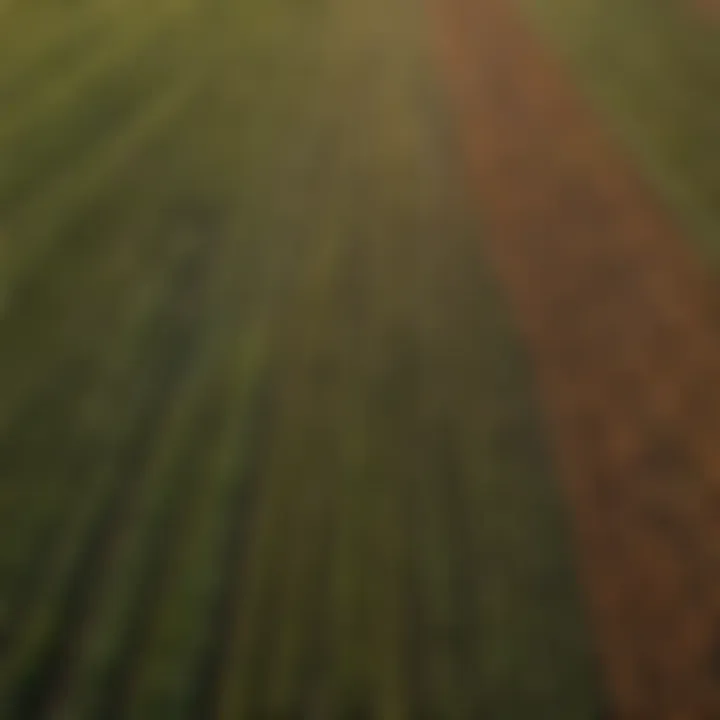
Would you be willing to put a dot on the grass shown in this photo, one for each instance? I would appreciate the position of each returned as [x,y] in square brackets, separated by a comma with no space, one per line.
[267,441]
[652,70]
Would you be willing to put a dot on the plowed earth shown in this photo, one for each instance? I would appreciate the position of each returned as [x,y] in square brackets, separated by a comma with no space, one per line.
[622,327]
[710,8]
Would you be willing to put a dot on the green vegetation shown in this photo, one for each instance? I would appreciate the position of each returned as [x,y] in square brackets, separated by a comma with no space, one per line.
[267,444]
[653,70]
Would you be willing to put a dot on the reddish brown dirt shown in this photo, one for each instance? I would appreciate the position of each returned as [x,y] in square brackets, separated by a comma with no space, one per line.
[621,325]
[708,8]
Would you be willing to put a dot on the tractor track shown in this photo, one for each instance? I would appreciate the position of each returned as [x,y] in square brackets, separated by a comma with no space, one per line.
[621,324]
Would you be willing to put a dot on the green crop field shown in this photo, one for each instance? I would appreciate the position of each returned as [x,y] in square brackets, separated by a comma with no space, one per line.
[268,446]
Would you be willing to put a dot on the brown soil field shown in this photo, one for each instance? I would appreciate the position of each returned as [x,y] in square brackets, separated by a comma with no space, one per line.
[709,8]
[621,323]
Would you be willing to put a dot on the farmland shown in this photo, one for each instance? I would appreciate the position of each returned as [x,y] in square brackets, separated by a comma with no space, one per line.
[652,71]
[269,444]
[618,310]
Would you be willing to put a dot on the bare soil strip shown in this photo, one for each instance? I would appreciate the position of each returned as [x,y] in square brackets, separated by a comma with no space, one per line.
[708,8]
[621,325]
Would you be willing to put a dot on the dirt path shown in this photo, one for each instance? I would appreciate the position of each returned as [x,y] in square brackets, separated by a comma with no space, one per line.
[622,328]
[709,8]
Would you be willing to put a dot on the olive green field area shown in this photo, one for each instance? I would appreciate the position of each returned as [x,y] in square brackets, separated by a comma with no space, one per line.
[269,447]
